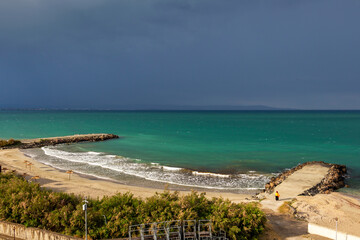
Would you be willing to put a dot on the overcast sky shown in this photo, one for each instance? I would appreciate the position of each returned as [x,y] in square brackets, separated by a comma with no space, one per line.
[115,53]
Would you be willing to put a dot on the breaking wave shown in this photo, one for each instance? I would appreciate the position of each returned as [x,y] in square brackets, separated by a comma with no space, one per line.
[154,171]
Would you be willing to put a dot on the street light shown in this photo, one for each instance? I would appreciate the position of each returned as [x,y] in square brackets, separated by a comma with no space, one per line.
[336,220]
[85,209]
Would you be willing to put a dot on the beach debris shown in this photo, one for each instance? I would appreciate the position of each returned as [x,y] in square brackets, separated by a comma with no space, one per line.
[70,172]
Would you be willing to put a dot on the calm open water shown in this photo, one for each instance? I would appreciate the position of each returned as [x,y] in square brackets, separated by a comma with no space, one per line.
[241,149]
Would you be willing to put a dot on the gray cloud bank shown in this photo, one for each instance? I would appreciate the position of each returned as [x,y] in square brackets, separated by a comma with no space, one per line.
[111,53]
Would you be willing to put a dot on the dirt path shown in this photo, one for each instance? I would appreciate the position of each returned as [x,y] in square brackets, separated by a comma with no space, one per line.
[284,227]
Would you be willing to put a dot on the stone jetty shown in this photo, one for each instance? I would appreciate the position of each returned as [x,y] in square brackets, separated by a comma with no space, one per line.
[307,179]
[333,180]
[41,142]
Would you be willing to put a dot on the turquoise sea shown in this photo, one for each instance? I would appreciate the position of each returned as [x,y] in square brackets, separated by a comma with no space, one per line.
[220,150]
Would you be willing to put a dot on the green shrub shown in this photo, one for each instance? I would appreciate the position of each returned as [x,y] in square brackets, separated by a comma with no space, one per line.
[10,142]
[44,141]
[28,204]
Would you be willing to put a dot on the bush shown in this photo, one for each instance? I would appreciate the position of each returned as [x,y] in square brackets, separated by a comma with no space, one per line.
[10,142]
[28,204]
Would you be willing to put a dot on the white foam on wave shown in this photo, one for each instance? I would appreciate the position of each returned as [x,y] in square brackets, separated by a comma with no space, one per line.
[171,168]
[196,173]
[155,171]
[94,153]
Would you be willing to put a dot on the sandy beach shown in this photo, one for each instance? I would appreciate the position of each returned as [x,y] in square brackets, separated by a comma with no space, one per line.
[89,186]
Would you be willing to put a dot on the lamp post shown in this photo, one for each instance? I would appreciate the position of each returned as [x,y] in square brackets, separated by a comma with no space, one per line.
[336,221]
[85,209]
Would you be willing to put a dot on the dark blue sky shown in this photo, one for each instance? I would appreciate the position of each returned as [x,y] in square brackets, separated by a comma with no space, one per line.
[115,53]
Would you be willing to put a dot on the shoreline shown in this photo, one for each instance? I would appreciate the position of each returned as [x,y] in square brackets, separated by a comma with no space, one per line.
[88,185]
[15,152]
[312,209]
[165,185]
[123,170]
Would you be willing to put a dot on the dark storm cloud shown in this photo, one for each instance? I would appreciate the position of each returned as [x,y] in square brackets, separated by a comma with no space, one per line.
[95,53]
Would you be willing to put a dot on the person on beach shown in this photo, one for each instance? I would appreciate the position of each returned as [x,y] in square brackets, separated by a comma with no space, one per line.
[277,195]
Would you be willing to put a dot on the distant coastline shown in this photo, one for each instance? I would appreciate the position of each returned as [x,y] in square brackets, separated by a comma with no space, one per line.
[178,109]
[157,108]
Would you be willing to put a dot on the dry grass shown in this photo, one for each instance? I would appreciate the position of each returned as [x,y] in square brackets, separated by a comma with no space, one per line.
[285,208]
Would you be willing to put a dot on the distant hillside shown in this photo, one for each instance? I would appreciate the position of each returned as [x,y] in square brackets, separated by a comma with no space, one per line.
[162,108]
[205,108]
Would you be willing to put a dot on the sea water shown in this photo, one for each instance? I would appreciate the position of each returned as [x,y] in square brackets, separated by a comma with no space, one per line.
[220,150]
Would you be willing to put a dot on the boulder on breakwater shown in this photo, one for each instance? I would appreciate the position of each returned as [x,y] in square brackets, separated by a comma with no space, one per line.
[334,179]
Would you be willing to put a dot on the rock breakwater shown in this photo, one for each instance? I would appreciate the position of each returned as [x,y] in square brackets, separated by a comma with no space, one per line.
[42,142]
[334,179]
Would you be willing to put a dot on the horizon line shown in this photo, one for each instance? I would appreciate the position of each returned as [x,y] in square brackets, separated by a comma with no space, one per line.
[156,109]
